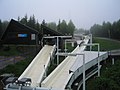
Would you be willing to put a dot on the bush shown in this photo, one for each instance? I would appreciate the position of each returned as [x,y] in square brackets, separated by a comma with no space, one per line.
[102,83]
[109,80]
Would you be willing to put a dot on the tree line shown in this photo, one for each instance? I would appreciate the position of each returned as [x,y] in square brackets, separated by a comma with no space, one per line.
[107,30]
[62,26]
[3,26]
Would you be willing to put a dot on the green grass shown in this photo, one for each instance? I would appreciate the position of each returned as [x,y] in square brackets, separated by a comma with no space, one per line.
[17,68]
[16,50]
[9,51]
[106,45]
[12,51]
[69,47]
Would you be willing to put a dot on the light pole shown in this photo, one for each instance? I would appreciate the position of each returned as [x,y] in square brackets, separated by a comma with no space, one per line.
[65,46]
[90,41]
[96,44]
[75,54]
[109,34]
[57,50]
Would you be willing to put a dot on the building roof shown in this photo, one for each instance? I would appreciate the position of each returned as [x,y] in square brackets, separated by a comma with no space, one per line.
[47,30]
[15,25]
[19,27]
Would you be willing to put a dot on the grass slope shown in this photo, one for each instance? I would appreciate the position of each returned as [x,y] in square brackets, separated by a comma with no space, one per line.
[107,44]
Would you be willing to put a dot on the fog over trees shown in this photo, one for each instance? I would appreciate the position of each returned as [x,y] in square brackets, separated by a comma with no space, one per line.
[107,29]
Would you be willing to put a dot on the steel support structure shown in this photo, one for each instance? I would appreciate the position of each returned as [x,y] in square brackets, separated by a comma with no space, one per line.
[57,43]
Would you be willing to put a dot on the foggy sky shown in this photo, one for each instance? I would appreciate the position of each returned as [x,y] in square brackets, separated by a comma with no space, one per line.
[83,13]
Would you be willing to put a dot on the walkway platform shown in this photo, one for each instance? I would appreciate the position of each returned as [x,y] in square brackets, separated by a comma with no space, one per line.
[91,59]
[38,66]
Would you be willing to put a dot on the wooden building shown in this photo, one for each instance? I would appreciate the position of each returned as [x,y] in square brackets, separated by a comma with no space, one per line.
[19,34]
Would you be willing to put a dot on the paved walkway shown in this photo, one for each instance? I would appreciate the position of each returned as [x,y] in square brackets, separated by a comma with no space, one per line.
[4,61]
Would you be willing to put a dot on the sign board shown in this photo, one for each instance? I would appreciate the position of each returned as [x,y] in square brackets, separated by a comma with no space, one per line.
[32,36]
[22,35]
